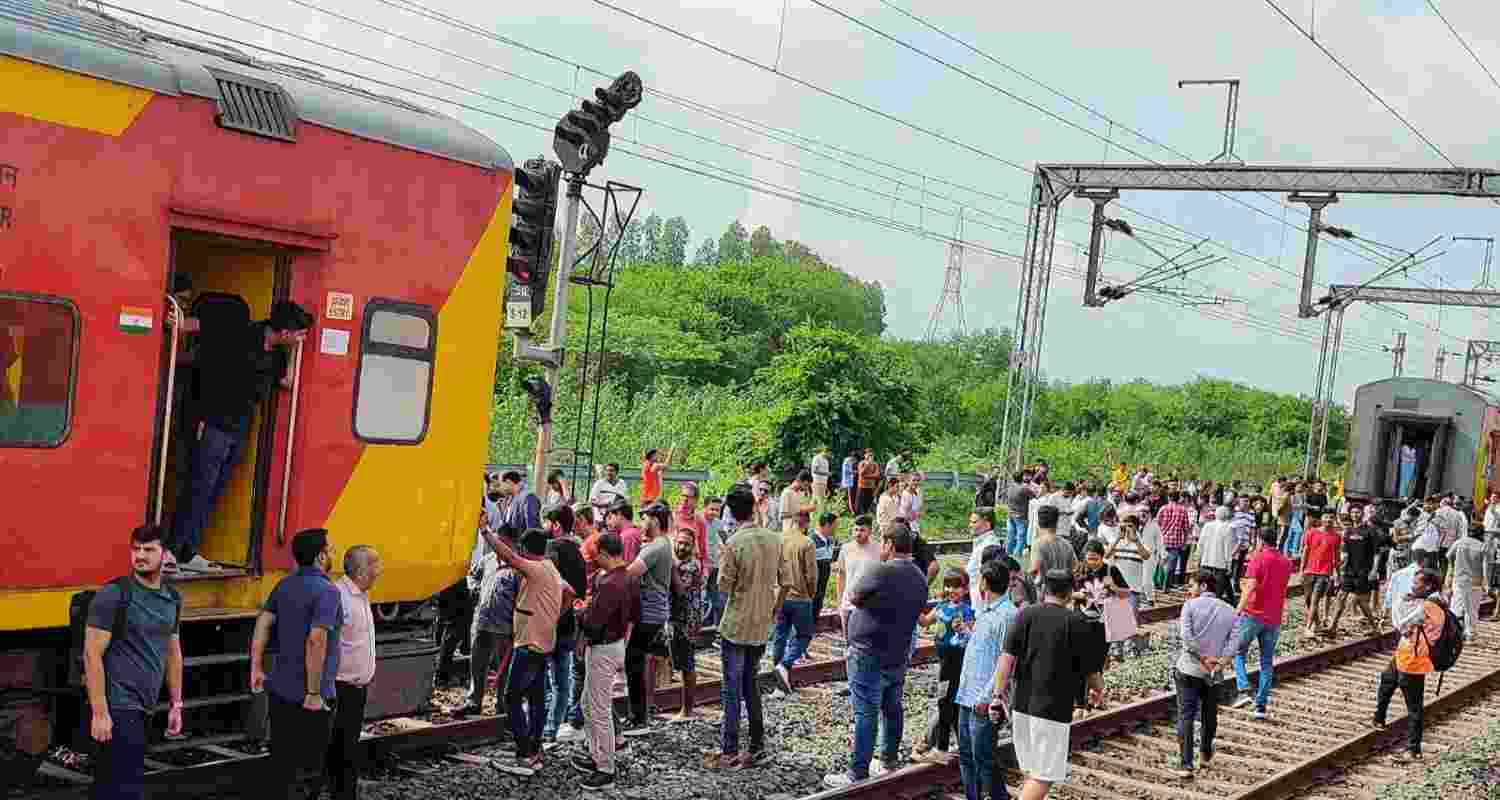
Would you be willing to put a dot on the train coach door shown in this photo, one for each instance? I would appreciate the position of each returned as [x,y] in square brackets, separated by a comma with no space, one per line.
[225,283]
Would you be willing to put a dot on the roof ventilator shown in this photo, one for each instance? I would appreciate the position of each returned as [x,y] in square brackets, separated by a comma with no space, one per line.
[254,106]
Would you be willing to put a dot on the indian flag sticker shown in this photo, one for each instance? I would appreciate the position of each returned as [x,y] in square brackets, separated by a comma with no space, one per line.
[135,319]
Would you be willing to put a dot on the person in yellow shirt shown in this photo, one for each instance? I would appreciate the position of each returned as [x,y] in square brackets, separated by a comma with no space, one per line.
[1121,476]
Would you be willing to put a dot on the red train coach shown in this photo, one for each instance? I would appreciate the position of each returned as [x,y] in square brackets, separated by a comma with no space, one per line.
[130,161]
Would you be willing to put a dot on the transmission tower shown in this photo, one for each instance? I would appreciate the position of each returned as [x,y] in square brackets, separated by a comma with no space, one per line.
[951,301]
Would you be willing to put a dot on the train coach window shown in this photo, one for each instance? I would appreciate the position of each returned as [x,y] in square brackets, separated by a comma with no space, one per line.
[393,390]
[38,358]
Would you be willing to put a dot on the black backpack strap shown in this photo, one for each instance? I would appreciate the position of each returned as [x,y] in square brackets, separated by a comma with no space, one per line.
[176,604]
[122,608]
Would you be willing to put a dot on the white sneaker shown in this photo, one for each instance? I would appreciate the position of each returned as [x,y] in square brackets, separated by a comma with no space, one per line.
[200,564]
[567,733]
[877,768]
[838,780]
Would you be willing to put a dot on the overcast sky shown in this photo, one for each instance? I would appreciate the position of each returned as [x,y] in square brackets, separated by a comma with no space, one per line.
[1122,60]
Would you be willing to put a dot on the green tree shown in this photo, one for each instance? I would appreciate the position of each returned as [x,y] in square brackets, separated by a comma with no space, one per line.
[651,238]
[674,242]
[844,390]
[707,254]
[763,244]
[628,240]
[732,244]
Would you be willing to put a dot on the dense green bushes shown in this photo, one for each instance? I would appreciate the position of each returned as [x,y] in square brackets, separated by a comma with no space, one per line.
[771,352]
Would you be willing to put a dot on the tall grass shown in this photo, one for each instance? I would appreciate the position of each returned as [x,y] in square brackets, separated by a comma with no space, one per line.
[670,415]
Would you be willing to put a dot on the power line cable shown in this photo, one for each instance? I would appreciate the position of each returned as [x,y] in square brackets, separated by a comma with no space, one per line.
[775,133]
[1465,44]
[921,129]
[770,189]
[1362,84]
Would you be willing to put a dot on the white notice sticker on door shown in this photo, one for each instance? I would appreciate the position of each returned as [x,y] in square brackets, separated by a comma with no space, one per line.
[334,342]
[340,306]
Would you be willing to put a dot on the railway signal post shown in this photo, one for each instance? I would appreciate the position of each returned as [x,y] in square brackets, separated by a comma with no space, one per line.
[580,142]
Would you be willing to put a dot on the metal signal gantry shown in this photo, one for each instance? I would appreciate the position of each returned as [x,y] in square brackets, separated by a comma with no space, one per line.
[1053,183]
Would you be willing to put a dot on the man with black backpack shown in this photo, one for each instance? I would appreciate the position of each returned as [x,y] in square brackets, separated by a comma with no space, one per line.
[130,645]
[1430,640]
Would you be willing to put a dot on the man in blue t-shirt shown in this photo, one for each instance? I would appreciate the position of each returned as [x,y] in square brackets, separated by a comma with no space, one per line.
[302,616]
[124,676]
[887,599]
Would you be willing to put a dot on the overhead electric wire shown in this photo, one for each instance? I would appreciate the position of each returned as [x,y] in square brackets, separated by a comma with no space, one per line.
[1362,84]
[798,197]
[1433,5]
[1032,79]
[922,129]
[775,133]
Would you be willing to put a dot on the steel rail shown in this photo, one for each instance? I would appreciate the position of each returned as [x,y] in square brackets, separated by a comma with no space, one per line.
[234,769]
[924,780]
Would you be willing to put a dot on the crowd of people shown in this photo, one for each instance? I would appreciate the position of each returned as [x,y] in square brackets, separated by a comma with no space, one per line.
[563,601]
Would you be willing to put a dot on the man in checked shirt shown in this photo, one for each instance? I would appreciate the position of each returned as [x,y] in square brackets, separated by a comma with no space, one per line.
[1243,525]
[1174,524]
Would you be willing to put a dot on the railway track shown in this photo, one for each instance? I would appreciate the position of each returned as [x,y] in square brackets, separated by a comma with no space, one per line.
[211,764]
[1319,719]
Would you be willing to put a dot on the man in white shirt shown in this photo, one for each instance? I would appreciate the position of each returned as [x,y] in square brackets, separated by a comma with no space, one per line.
[982,528]
[820,472]
[855,556]
[607,490]
[1428,535]
[356,669]
[795,501]
[1216,545]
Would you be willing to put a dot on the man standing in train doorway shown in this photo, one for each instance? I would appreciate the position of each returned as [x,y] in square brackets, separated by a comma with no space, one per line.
[237,365]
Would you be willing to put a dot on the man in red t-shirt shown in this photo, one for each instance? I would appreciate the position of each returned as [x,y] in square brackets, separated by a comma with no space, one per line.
[1321,549]
[1261,605]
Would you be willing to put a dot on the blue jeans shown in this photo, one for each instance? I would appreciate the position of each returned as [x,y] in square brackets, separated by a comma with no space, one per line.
[976,756]
[1293,541]
[1175,564]
[795,615]
[741,663]
[527,686]
[875,694]
[1408,473]
[1015,537]
[120,767]
[213,459]
[1252,629]
[559,684]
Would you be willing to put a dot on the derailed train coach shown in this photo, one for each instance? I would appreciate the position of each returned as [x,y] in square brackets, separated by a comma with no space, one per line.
[1445,433]
[133,163]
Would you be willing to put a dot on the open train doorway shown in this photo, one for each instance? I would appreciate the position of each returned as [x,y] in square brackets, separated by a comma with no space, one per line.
[1415,454]
[213,466]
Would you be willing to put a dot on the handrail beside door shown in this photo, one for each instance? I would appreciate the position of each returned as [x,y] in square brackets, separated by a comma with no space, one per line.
[175,322]
[291,433]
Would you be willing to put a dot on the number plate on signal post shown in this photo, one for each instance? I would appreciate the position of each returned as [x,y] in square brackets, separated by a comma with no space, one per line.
[518,306]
